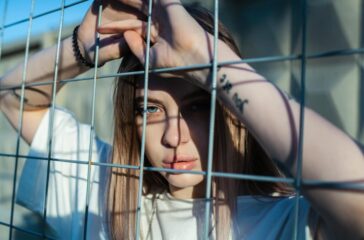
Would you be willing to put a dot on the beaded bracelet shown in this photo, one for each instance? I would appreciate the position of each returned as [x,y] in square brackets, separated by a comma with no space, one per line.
[77,52]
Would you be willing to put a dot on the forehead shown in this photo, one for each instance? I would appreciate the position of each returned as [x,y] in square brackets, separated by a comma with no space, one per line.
[176,87]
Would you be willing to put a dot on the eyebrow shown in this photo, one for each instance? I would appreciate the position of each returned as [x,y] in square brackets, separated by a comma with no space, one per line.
[151,99]
[196,94]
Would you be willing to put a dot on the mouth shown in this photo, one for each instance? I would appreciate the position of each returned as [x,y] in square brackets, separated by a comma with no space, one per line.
[180,163]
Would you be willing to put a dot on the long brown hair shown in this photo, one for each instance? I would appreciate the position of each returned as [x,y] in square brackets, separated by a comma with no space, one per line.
[235,151]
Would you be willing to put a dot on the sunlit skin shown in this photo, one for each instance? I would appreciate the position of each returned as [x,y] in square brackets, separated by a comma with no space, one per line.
[176,132]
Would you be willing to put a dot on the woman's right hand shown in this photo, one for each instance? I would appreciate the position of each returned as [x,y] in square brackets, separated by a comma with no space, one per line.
[111,46]
[176,37]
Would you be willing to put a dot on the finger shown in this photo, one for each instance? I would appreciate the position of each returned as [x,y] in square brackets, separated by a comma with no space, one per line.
[136,44]
[140,5]
[112,47]
[116,10]
[130,24]
[175,20]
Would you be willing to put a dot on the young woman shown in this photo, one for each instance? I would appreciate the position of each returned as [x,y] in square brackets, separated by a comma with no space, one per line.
[256,125]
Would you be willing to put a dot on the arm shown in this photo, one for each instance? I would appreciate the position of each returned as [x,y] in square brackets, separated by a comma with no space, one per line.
[41,67]
[328,153]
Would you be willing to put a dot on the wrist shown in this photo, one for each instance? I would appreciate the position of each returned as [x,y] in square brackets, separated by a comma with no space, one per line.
[83,50]
[224,54]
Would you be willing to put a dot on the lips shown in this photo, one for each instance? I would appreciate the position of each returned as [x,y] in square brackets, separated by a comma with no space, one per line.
[180,162]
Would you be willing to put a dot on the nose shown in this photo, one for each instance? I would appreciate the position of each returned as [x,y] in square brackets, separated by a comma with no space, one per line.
[176,132]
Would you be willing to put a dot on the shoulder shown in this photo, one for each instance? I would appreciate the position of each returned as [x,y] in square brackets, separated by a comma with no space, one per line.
[69,146]
[263,203]
[259,217]
[67,137]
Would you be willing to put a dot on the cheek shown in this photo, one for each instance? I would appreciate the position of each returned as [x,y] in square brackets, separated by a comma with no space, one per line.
[197,120]
[199,130]
[153,147]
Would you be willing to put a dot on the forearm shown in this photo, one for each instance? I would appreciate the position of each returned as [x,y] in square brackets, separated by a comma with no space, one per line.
[274,119]
[40,68]
[328,153]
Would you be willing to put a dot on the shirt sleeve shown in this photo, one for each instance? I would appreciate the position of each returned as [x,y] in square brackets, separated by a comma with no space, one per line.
[32,184]
[61,166]
[269,218]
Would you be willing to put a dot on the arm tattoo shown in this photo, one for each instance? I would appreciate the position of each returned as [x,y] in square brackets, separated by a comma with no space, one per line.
[223,78]
[239,103]
[227,86]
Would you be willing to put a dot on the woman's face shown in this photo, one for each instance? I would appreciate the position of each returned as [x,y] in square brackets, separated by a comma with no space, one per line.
[176,132]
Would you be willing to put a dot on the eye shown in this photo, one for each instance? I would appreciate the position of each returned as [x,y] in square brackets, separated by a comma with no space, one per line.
[198,106]
[150,109]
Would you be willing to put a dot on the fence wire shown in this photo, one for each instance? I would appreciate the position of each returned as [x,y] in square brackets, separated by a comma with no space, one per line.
[20,120]
[52,110]
[297,182]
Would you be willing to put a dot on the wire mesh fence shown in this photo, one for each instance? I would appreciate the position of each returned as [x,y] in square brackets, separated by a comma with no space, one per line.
[297,57]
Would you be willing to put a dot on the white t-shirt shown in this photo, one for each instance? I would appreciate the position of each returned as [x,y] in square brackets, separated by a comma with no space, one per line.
[166,218]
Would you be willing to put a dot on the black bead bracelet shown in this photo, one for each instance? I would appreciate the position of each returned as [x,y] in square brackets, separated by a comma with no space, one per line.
[77,52]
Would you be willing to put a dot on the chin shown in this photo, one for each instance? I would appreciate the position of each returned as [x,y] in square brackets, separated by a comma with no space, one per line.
[184,180]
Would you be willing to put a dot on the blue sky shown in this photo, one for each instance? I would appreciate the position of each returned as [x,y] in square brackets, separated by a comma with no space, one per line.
[19,9]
